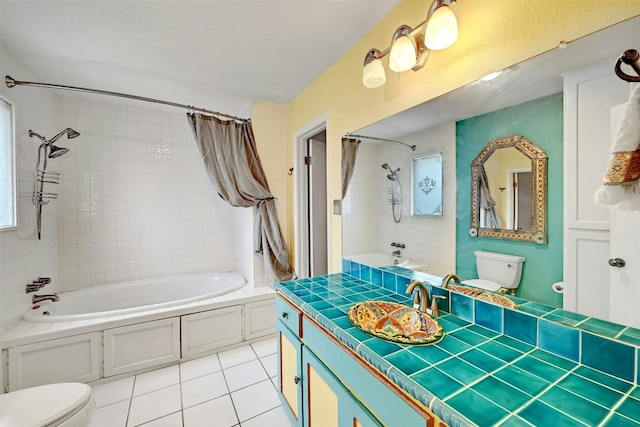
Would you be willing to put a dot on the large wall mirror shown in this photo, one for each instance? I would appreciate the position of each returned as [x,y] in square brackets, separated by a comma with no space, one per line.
[509,191]
[435,242]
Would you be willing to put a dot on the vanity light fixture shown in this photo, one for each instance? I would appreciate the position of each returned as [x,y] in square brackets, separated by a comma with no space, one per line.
[410,46]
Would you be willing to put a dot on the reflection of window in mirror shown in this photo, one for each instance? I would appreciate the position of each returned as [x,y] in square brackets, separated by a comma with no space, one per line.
[7,166]
[509,179]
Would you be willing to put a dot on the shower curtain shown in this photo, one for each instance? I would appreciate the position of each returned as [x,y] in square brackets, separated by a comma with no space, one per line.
[349,150]
[230,156]
[487,202]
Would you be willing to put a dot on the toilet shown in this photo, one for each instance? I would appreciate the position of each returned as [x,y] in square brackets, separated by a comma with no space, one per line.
[497,272]
[61,404]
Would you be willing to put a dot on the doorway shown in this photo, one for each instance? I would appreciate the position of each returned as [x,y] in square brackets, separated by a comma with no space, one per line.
[311,241]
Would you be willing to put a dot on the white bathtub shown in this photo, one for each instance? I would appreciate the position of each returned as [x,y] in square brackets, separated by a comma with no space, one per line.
[133,297]
[377,259]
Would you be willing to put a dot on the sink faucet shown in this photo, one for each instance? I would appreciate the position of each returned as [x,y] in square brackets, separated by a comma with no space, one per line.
[424,296]
[38,298]
[448,278]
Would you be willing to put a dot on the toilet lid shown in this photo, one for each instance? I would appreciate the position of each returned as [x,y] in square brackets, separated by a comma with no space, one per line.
[482,284]
[42,405]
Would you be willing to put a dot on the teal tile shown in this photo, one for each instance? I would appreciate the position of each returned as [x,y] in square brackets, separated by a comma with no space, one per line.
[482,360]
[539,368]
[453,345]
[343,322]
[437,382]
[461,370]
[372,294]
[451,323]
[487,333]
[406,362]
[635,393]
[389,281]
[358,334]
[489,315]
[590,390]
[558,361]
[574,405]
[602,327]
[559,339]
[376,276]
[515,344]
[541,414]
[365,273]
[630,335]
[500,351]
[522,380]
[382,347]
[604,379]
[630,408]
[609,356]
[515,421]
[333,313]
[462,306]
[618,420]
[501,393]
[401,284]
[521,326]
[477,408]
[431,354]
[469,337]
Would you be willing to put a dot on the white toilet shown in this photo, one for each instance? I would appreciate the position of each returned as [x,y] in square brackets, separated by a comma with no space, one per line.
[61,404]
[497,272]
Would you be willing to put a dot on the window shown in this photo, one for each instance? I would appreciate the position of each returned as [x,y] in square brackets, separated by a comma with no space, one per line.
[8,199]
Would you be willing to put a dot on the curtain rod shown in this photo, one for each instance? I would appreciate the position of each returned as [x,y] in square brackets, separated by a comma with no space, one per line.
[413,147]
[11,82]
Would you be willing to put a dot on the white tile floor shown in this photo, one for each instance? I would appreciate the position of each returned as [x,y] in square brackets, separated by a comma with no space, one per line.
[232,388]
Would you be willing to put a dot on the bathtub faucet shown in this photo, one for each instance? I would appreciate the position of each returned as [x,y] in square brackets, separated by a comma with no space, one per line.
[396,253]
[35,285]
[39,298]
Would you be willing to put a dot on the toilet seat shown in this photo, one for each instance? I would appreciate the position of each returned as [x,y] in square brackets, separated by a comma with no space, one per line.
[483,284]
[47,405]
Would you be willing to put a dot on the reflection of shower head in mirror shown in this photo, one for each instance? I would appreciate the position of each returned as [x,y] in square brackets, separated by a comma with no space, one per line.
[391,177]
[386,166]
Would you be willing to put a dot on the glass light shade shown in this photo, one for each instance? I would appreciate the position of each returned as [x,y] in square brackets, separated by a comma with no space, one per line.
[403,54]
[373,74]
[442,29]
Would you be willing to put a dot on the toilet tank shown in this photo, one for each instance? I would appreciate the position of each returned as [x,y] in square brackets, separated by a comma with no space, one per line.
[503,269]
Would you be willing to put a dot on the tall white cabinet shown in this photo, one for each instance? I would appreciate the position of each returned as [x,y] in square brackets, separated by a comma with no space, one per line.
[590,94]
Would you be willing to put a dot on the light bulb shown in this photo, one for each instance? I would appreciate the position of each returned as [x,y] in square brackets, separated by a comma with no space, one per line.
[442,29]
[403,54]
[373,74]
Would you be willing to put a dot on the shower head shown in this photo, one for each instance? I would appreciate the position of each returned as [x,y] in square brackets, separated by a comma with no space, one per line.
[386,166]
[56,151]
[70,134]
[391,177]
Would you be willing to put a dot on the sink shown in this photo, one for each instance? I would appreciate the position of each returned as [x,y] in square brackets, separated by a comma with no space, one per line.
[484,295]
[395,322]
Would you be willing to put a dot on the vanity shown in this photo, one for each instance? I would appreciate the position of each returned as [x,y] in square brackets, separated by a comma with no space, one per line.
[494,366]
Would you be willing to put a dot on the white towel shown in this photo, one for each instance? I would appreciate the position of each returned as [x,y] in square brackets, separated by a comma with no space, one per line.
[621,183]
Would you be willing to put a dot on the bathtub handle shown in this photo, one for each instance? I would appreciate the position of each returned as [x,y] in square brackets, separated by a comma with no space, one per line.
[285,315]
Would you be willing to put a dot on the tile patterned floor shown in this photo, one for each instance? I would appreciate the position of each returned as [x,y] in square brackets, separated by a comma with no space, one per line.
[231,388]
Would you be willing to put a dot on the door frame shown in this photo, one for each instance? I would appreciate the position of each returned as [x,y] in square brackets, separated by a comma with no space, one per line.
[300,223]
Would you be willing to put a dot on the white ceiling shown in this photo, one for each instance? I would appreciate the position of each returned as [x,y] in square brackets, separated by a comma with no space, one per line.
[224,55]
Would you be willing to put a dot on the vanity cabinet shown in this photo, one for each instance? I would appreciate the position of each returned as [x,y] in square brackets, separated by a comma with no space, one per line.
[321,383]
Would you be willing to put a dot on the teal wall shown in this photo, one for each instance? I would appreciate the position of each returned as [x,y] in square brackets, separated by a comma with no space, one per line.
[540,121]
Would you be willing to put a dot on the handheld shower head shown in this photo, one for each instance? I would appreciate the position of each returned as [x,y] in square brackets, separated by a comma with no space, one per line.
[391,177]
[56,151]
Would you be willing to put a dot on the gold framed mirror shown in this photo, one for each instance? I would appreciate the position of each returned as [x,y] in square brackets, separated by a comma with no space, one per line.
[509,191]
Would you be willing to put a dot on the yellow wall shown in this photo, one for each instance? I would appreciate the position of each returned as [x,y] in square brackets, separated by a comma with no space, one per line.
[494,34]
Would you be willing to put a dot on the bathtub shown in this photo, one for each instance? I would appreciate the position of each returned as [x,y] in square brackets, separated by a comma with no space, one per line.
[377,259]
[133,297]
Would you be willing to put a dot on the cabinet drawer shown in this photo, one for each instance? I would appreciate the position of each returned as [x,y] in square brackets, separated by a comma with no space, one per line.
[289,315]
[140,346]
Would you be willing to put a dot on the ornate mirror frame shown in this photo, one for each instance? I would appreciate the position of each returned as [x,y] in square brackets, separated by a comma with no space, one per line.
[539,191]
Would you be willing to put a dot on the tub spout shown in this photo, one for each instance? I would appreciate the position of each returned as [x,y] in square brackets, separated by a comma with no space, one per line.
[39,298]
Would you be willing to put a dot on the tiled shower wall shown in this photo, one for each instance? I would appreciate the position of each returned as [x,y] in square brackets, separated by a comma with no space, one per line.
[135,200]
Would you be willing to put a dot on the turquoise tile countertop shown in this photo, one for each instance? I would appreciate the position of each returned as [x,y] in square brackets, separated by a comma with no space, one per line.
[476,375]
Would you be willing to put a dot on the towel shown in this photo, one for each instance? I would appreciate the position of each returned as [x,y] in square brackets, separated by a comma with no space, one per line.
[621,183]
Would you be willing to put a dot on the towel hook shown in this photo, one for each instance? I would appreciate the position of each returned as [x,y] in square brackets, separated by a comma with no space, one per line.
[630,57]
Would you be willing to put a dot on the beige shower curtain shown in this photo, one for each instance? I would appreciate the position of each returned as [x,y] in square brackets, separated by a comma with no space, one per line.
[349,150]
[230,156]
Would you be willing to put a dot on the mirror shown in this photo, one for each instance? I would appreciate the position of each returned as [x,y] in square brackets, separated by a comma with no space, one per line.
[431,241]
[509,191]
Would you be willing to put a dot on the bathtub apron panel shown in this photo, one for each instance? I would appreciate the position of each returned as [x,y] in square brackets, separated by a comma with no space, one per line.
[211,330]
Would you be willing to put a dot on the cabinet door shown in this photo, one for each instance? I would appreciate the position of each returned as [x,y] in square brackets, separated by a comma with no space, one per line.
[328,402]
[289,375]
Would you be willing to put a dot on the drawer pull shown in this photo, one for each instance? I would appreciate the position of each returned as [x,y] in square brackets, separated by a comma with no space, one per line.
[296,380]
[285,315]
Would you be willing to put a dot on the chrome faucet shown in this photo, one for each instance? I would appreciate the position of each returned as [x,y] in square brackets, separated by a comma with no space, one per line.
[448,278]
[424,295]
[39,298]
[35,285]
